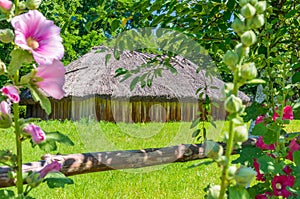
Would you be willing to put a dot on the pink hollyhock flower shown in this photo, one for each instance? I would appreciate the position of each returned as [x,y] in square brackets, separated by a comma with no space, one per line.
[259,119]
[5,5]
[287,170]
[279,184]
[293,146]
[37,134]
[287,113]
[263,195]
[260,144]
[53,167]
[11,92]
[259,175]
[53,79]
[5,108]
[33,32]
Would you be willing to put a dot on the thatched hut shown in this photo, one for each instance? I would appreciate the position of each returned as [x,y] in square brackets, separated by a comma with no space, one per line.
[92,91]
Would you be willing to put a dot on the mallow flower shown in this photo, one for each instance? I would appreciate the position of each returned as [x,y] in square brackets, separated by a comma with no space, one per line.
[11,92]
[5,5]
[51,78]
[37,134]
[52,167]
[33,32]
[279,184]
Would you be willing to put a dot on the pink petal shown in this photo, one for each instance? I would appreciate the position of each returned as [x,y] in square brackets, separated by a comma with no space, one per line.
[288,113]
[53,167]
[34,25]
[11,92]
[5,4]
[37,134]
[53,79]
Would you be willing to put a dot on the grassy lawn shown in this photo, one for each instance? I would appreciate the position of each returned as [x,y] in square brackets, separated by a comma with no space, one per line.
[167,181]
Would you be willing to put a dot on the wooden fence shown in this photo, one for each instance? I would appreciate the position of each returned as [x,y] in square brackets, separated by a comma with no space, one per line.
[120,110]
[74,164]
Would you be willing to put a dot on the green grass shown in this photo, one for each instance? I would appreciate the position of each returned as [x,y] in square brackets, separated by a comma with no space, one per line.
[175,180]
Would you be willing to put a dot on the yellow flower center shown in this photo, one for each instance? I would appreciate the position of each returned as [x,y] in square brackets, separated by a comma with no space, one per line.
[32,43]
[278,186]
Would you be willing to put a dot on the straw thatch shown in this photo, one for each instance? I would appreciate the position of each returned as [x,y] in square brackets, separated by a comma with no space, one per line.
[93,91]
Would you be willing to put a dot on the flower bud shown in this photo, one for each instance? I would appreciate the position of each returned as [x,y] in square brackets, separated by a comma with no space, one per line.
[244,176]
[238,26]
[22,5]
[248,71]
[253,2]
[230,58]
[240,133]
[231,171]
[242,50]
[258,21]
[33,4]
[34,179]
[248,38]
[248,11]
[214,192]
[2,67]
[213,150]
[6,35]
[233,104]
[243,2]
[5,5]
[261,7]
[228,87]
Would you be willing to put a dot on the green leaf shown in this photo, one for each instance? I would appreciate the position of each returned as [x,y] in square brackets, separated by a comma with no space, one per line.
[195,123]
[254,111]
[59,137]
[238,193]
[196,133]
[48,145]
[18,57]
[7,194]
[115,24]
[57,180]
[259,129]
[256,81]
[296,156]
[296,78]
[42,99]
[107,58]
[134,82]
[247,155]
[268,165]
[120,71]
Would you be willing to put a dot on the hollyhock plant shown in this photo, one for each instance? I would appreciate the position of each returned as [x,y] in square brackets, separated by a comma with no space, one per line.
[259,119]
[37,134]
[52,79]
[287,170]
[259,175]
[33,32]
[260,144]
[265,195]
[11,92]
[5,5]
[287,114]
[279,184]
[4,108]
[293,146]
[53,167]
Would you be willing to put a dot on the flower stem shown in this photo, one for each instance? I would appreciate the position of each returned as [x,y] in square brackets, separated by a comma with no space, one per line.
[19,149]
[229,143]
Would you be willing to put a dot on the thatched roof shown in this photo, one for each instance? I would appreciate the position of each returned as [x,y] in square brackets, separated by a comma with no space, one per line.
[89,75]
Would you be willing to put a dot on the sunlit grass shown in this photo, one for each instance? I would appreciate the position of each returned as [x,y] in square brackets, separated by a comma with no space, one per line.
[175,180]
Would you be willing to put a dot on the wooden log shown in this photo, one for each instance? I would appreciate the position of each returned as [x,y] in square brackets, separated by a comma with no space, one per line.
[74,164]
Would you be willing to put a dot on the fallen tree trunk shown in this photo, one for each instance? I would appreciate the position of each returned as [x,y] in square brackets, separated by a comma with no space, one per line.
[74,164]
